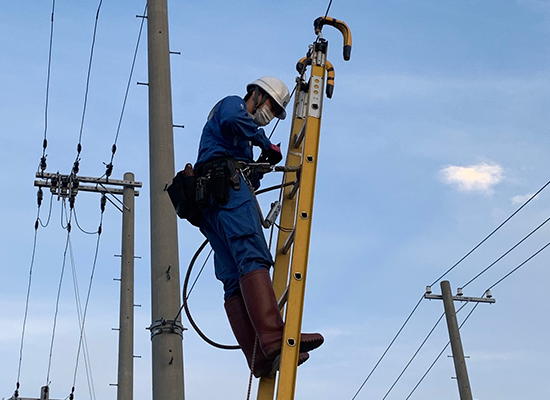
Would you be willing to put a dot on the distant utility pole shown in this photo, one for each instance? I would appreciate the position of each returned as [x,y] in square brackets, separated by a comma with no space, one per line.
[166,330]
[68,186]
[464,388]
[125,383]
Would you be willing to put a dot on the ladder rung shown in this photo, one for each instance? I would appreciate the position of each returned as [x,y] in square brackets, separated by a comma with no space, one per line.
[300,136]
[288,243]
[294,189]
[283,299]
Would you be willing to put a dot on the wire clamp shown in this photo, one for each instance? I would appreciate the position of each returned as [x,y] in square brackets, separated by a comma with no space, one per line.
[166,326]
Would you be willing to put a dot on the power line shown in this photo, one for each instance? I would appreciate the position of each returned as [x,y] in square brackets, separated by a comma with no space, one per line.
[82,331]
[414,356]
[389,347]
[27,301]
[79,146]
[491,234]
[519,266]
[68,227]
[505,254]
[109,166]
[45,141]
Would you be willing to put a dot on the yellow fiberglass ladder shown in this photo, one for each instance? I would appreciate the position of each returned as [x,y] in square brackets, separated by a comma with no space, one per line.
[289,276]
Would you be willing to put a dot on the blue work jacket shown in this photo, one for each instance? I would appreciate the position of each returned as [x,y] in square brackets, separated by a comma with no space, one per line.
[230,132]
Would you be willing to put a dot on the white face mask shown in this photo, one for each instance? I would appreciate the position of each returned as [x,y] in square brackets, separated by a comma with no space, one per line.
[263,115]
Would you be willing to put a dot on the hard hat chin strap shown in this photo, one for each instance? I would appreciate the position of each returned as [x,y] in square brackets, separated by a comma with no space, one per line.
[255,98]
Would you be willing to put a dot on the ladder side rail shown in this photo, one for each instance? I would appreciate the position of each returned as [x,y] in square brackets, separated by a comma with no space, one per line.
[298,272]
[266,388]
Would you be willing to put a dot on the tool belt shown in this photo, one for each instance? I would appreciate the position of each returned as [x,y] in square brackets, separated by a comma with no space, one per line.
[214,180]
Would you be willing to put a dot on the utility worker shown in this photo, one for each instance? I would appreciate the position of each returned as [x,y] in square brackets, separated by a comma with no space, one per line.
[232,223]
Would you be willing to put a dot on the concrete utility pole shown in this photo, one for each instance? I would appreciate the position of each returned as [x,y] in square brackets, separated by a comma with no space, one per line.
[456,343]
[464,388]
[166,333]
[125,383]
[68,187]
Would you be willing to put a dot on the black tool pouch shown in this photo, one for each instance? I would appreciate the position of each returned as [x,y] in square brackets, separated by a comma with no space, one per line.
[220,182]
[182,194]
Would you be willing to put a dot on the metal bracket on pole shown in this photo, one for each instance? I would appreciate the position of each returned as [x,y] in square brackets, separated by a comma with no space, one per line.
[65,186]
[166,326]
[463,381]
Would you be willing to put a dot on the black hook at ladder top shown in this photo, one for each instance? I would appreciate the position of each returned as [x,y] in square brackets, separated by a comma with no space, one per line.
[341,26]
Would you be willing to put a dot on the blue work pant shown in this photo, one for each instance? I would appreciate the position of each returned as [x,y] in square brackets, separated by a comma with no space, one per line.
[234,231]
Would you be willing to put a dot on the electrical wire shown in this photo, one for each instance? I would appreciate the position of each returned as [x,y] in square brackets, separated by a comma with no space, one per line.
[80,228]
[109,166]
[83,340]
[442,351]
[389,347]
[27,299]
[505,254]
[88,75]
[45,140]
[49,214]
[519,266]
[492,233]
[68,228]
[414,356]
[84,314]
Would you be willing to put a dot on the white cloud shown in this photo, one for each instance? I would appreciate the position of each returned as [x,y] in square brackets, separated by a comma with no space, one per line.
[474,178]
[520,199]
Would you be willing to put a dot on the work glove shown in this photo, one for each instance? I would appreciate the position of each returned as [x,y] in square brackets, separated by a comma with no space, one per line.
[272,155]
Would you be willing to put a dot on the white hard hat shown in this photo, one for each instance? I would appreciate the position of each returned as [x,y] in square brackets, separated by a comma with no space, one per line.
[275,88]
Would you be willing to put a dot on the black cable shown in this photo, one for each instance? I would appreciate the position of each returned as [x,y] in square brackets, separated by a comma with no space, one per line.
[80,228]
[114,148]
[79,147]
[443,350]
[414,356]
[49,214]
[57,300]
[92,274]
[389,346]
[519,266]
[45,141]
[91,389]
[328,8]
[186,306]
[28,298]
[491,234]
[199,274]
[505,254]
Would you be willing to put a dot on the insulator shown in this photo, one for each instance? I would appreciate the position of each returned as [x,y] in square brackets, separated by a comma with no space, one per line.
[45,144]
[428,290]
[71,201]
[43,163]
[79,148]
[76,167]
[103,203]
[113,149]
[109,169]
[39,196]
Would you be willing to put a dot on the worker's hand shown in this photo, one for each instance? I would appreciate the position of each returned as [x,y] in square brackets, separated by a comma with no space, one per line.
[272,155]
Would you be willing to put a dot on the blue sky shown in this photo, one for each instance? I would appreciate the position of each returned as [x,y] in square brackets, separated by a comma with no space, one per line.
[437,131]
